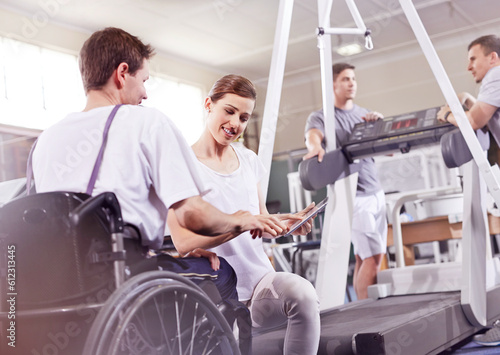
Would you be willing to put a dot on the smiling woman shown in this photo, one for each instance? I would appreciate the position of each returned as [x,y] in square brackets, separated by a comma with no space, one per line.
[233,175]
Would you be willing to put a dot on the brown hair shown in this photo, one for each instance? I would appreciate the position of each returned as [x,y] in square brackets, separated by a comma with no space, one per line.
[232,84]
[103,52]
[489,43]
[339,68]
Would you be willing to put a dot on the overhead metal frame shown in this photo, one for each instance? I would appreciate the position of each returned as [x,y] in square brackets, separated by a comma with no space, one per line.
[274,86]
[334,252]
[336,234]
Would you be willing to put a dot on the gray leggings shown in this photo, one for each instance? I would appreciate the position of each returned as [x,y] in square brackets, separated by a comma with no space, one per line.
[282,297]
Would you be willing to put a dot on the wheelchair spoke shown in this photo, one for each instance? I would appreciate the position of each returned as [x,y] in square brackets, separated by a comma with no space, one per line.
[193,329]
[178,320]
[143,321]
[209,339]
[161,316]
[136,343]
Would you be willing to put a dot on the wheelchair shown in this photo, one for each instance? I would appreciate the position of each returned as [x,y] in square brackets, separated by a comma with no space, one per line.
[66,289]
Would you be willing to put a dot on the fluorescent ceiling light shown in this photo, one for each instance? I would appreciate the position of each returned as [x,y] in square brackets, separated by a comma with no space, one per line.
[349,49]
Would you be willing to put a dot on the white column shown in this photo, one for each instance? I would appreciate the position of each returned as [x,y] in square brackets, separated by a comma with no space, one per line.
[273,95]
[475,234]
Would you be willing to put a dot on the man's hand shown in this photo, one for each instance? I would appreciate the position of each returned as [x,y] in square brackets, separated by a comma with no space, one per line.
[319,151]
[314,140]
[443,115]
[273,227]
[202,253]
[467,101]
[260,224]
[373,116]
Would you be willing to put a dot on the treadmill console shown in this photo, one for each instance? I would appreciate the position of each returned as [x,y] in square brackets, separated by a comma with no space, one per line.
[398,133]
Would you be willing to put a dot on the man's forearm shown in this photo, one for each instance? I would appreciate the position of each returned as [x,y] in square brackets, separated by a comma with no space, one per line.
[466,99]
[313,139]
[201,217]
[185,240]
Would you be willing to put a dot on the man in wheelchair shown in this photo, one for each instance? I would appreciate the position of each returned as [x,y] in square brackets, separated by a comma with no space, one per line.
[146,163]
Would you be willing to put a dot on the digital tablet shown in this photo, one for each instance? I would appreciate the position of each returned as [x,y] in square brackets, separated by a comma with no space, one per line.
[320,206]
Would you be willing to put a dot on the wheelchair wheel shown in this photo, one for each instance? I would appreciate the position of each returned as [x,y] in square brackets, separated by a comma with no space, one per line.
[160,312]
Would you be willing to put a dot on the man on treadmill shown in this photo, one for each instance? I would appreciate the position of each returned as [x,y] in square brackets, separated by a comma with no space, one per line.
[369,225]
[484,64]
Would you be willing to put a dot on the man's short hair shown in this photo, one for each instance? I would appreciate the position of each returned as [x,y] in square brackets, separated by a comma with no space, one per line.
[489,43]
[105,50]
[339,68]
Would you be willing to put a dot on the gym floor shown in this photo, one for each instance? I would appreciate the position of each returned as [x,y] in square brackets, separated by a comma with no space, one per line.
[473,348]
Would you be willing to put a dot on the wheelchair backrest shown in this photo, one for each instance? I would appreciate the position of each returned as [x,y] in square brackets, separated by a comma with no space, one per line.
[54,262]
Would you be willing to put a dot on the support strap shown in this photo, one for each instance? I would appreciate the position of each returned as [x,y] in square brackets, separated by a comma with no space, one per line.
[97,165]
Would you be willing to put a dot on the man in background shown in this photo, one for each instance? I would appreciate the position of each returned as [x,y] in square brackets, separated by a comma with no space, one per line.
[369,226]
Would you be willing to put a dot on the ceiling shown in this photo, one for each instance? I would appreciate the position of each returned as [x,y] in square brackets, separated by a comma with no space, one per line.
[237,35]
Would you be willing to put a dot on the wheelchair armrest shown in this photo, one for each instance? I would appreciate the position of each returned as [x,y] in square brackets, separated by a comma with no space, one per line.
[106,201]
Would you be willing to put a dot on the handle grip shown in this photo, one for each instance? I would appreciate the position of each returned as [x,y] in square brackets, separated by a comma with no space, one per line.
[106,201]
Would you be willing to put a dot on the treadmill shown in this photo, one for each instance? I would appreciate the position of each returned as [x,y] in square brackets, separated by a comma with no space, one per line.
[396,322]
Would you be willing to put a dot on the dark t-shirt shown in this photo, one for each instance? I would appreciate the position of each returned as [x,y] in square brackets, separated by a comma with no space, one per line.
[345,120]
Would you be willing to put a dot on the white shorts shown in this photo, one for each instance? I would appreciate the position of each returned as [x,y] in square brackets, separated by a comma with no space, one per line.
[369,225]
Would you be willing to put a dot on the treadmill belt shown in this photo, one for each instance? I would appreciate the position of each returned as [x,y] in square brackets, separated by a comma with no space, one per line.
[410,324]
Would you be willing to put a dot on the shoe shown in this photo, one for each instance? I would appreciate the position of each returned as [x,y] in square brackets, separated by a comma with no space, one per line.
[491,337]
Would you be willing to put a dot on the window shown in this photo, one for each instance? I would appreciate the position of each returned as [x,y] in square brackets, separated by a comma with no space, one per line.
[181,102]
[39,86]
[3,98]
[62,86]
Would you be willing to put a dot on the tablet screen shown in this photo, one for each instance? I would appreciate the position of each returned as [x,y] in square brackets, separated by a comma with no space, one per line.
[320,206]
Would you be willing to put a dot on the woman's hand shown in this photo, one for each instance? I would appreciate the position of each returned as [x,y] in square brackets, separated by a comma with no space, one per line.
[291,218]
[212,257]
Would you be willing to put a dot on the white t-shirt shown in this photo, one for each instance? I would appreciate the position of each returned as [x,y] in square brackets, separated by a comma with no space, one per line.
[490,93]
[147,163]
[231,193]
